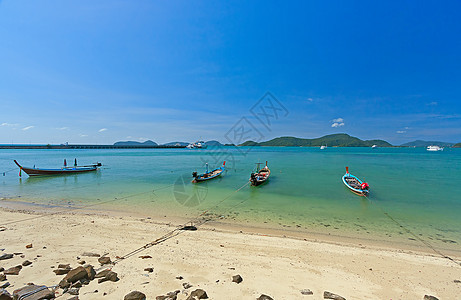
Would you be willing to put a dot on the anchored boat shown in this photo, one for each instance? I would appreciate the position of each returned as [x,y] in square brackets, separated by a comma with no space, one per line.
[62,171]
[208,174]
[260,176]
[356,185]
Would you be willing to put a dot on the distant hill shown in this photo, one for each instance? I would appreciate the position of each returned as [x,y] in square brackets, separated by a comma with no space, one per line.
[332,140]
[176,144]
[420,143]
[213,143]
[131,143]
[457,145]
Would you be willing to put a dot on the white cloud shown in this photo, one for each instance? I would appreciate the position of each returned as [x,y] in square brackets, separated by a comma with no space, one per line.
[62,128]
[28,127]
[310,99]
[338,120]
[401,131]
[82,135]
[9,124]
[102,129]
[433,103]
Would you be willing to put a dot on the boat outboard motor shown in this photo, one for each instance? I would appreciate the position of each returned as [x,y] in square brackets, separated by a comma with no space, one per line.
[194,174]
[253,177]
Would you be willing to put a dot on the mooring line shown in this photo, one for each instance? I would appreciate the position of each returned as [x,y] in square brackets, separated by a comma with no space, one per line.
[195,222]
[426,243]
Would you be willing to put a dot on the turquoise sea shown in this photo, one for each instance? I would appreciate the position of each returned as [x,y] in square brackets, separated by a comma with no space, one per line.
[415,194]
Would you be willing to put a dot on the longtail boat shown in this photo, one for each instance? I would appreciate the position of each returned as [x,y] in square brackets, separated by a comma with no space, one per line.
[260,176]
[208,174]
[62,171]
[356,185]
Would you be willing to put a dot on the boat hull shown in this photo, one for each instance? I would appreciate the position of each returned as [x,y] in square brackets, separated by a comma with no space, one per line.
[54,172]
[348,178]
[203,177]
[259,179]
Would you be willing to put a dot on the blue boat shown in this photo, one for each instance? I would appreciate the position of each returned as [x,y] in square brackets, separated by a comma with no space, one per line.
[356,185]
[208,174]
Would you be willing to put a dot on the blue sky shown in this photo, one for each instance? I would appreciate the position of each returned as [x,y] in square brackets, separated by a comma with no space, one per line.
[104,71]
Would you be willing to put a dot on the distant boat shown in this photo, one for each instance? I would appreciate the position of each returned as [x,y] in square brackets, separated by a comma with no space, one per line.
[197,145]
[434,148]
[323,147]
[208,174]
[62,171]
[356,185]
[374,146]
[260,176]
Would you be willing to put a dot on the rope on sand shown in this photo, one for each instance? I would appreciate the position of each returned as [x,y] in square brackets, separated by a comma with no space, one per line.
[194,223]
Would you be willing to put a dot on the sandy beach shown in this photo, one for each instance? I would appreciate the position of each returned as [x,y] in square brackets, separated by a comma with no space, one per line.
[208,258]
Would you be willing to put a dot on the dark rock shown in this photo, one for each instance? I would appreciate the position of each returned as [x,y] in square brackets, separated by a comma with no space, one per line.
[91,272]
[5,285]
[4,295]
[186,285]
[64,284]
[145,256]
[104,260]
[76,274]
[82,262]
[29,246]
[264,297]
[26,263]
[150,270]
[429,297]
[2,277]
[101,274]
[13,270]
[61,271]
[179,277]
[17,253]
[306,292]
[6,256]
[135,295]
[328,295]
[237,278]
[198,294]
[74,291]
[77,284]
[90,254]
[39,292]
[110,276]
[64,266]
[455,281]
[73,298]
[173,294]
[3,269]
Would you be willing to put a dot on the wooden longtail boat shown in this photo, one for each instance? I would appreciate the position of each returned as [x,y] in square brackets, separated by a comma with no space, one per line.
[356,185]
[260,176]
[62,171]
[208,174]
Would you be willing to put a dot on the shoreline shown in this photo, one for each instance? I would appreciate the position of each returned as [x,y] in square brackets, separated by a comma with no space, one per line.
[376,241]
[208,258]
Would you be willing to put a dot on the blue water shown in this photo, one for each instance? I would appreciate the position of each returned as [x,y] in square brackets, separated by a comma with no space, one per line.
[418,189]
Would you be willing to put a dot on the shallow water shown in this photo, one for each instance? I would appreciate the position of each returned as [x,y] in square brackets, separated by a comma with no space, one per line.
[410,187]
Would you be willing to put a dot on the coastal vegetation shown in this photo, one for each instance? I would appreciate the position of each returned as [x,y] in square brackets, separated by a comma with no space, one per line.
[332,140]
